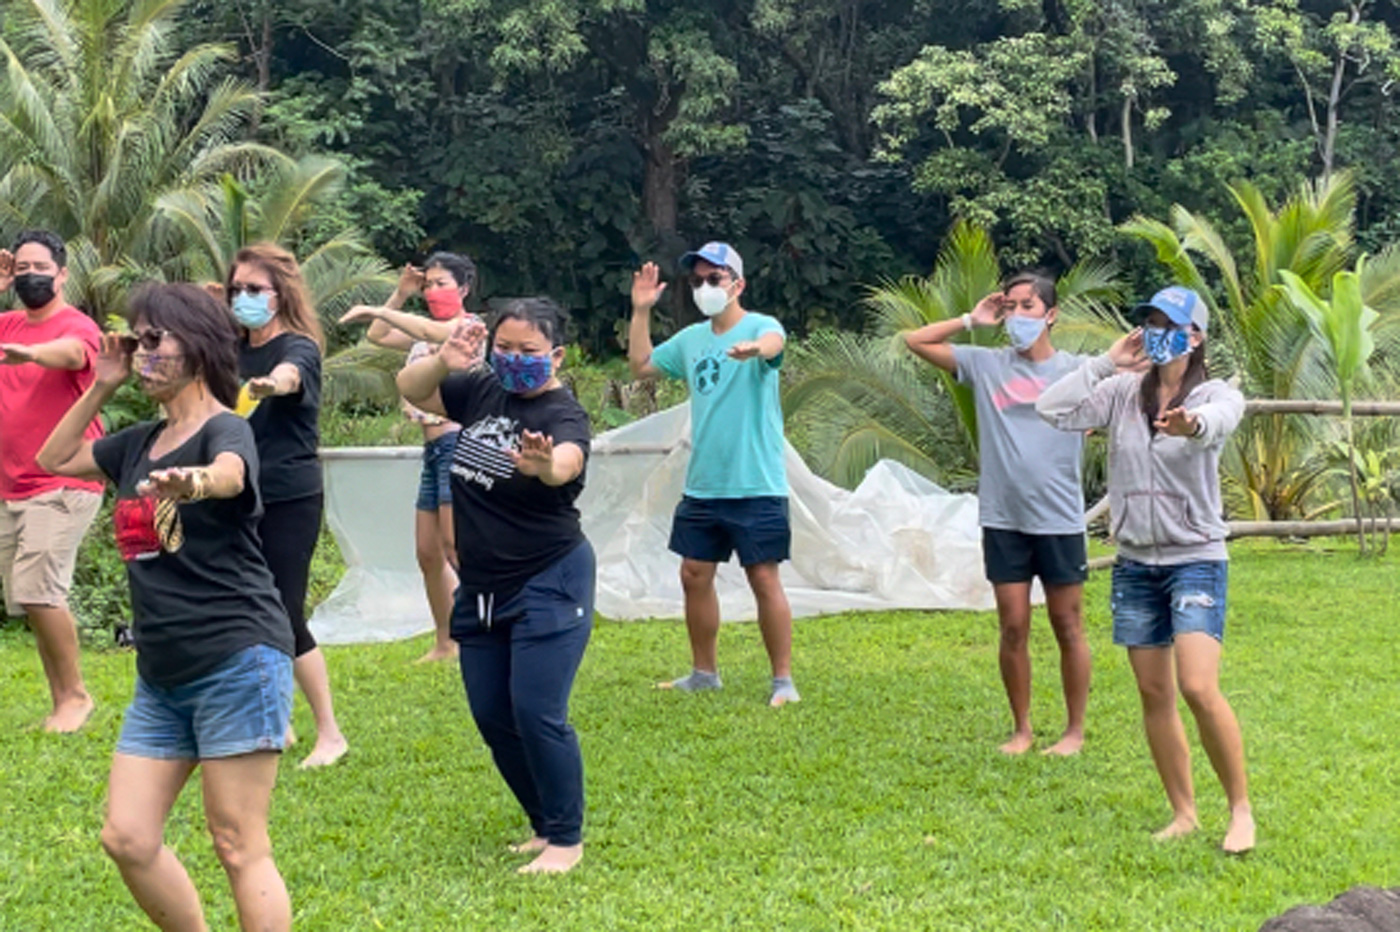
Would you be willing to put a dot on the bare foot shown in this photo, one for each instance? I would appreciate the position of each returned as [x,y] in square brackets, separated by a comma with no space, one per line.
[1240,836]
[1020,743]
[1067,746]
[68,716]
[439,652]
[327,751]
[534,844]
[1180,826]
[554,859]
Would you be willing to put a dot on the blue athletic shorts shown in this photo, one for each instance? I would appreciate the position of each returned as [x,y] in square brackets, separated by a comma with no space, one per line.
[710,529]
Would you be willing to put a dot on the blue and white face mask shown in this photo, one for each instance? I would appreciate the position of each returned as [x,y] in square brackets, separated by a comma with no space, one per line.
[1023,331]
[252,311]
[1162,344]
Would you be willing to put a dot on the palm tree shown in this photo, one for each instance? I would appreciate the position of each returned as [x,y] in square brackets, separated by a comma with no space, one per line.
[216,220]
[859,398]
[1263,339]
[100,116]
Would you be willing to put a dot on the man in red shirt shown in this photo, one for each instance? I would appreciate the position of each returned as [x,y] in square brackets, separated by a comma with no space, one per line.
[46,362]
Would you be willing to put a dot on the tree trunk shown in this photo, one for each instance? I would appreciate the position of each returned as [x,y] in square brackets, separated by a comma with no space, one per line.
[262,61]
[1334,103]
[1355,493]
[1127,119]
[659,196]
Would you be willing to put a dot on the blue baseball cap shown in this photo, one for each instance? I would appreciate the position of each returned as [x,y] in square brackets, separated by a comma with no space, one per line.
[720,254]
[1181,305]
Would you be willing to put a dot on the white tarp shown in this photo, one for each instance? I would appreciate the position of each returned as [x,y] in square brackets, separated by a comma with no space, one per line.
[897,541]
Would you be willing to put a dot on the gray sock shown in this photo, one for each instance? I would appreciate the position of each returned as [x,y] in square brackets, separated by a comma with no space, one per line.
[697,681]
[784,690]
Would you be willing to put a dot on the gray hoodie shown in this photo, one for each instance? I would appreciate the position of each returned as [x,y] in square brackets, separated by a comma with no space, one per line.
[1164,491]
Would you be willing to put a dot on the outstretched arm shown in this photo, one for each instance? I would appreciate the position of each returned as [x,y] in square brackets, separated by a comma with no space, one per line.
[461,351]
[67,452]
[67,353]
[930,342]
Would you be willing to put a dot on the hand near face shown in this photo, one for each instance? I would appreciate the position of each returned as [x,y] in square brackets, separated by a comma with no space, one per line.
[1127,353]
[465,347]
[410,281]
[647,287]
[7,269]
[214,290]
[747,349]
[113,364]
[1178,422]
[989,311]
[536,454]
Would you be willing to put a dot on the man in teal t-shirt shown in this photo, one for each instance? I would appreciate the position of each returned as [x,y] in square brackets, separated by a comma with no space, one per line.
[736,485]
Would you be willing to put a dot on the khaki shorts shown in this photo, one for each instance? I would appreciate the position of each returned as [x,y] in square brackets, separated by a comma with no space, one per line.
[39,540]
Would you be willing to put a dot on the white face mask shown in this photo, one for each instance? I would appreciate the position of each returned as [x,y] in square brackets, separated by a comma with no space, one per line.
[711,299]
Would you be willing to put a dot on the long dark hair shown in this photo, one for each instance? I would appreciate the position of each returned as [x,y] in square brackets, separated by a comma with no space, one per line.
[204,328]
[1195,374]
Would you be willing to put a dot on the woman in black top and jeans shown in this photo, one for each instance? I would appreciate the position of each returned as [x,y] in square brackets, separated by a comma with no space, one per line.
[524,609]
[280,360]
[213,643]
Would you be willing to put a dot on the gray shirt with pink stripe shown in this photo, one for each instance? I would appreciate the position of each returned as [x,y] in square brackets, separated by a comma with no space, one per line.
[1030,472]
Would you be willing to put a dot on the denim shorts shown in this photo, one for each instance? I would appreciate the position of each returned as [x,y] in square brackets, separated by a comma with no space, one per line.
[710,529]
[244,705]
[1154,604]
[435,481]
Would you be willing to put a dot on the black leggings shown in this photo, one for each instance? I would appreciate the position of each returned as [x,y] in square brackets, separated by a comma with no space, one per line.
[289,531]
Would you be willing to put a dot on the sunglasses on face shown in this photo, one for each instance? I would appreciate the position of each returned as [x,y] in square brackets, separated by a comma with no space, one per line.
[250,289]
[717,279]
[147,340]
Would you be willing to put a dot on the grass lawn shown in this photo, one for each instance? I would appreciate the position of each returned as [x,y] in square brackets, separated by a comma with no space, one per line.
[879,802]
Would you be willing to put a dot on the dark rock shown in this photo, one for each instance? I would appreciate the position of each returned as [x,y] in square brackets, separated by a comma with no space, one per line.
[1360,909]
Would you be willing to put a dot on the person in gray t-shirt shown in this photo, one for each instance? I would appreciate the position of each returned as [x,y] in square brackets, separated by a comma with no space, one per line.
[1031,500]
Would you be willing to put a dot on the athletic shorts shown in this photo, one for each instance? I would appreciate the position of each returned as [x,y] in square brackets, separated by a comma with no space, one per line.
[710,529]
[1014,557]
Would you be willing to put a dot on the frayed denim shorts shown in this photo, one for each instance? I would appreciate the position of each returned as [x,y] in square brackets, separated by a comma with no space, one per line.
[244,705]
[1154,604]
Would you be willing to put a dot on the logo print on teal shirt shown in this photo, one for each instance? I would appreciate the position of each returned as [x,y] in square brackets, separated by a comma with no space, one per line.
[707,375]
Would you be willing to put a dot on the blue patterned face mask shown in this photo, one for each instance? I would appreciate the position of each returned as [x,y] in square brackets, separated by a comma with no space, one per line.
[521,374]
[1162,345]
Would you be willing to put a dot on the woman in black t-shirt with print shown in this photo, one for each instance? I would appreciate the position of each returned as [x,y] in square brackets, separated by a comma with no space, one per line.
[279,360]
[213,643]
[524,609]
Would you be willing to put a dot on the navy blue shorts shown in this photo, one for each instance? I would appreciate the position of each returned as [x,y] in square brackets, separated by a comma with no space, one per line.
[710,529]
[1014,557]
[435,481]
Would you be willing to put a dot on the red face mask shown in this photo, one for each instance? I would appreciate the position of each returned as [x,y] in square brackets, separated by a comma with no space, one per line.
[443,303]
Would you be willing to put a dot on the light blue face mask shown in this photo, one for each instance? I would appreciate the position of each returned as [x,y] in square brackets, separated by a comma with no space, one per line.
[252,311]
[1023,331]
[1162,345]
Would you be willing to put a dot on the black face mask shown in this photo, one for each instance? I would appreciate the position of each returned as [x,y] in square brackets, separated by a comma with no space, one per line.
[34,291]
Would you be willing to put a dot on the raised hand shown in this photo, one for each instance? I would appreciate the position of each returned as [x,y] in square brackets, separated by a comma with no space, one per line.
[359,314]
[113,364]
[1178,422]
[14,354]
[989,311]
[7,269]
[214,290]
[410,282]
[746,349]
[262,387]
[647,287]
[466,346]
[1127,353]
[536,454]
